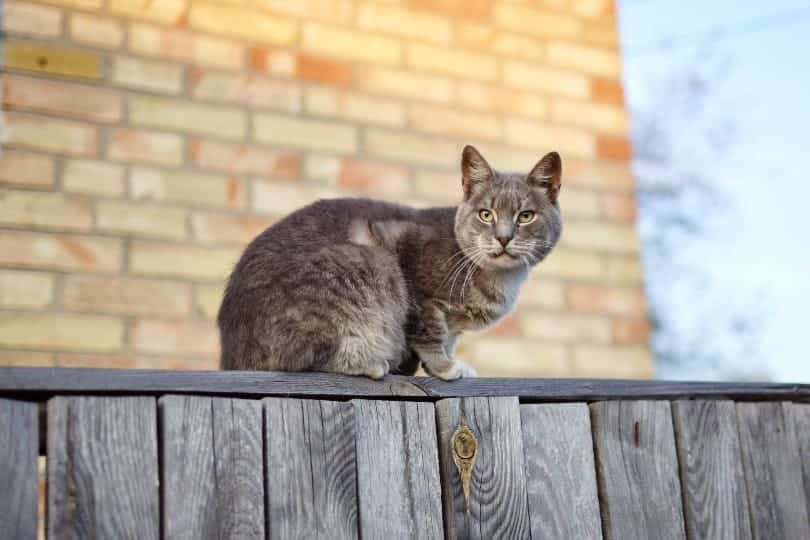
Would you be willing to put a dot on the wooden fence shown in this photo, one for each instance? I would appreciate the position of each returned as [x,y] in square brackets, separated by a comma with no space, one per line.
[149,454]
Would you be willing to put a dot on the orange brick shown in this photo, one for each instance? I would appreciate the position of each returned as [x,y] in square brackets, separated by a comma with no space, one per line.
[51,135]
[126,296]
[93,177]
[305,133]
[144,74]
[243,24]
[607,299]
[61,98]
[146,147]
[177,114]
[187,188]
[27,19]
[403,22]
[554,81]
[217,228]
[59,251]
[181,261]
[453,62]
[175,337]
[596,61]
[274,61]
[631,331]
[608,119]
[480,10]
[326,101]
[315,69]
[568,141]
[445,121]
[499,99]
[50,331]
[617,148]
[52,60]
[253,90]
[596,9]
[607,90]
[542,24]
[164,11]
[246,159]
[371,177]
[26,169]
[175,44]
[406,84]
[96,31]
[351,45]
[38,209]
[619,207]
[603,33]
[141,220]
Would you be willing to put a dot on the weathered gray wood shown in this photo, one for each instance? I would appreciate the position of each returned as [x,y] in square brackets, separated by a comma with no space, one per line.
[712,478]
[498,505]
[103,468]
[801,420]
[560,472]
[19,482]
[311,473]
[45,382]
[213,484]
[397,470]
[637,470]
[773,472]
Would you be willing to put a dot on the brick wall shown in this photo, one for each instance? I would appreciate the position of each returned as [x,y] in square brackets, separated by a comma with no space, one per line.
[147,141]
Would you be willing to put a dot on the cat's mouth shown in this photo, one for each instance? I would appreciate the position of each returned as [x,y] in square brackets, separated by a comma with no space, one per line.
[501,254]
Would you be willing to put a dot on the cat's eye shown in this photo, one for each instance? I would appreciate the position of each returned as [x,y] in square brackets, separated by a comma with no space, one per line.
[525,217]
[487,216]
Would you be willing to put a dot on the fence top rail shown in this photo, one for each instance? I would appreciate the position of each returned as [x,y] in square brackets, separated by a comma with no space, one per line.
[39,383]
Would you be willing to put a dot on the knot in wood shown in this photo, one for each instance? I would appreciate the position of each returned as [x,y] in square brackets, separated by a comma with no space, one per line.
[465,450]
[464,443]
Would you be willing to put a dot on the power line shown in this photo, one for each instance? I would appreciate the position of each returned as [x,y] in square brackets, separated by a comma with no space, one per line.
[748,27]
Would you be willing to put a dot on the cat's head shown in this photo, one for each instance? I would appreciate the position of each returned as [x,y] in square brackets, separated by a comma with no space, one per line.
[508,220]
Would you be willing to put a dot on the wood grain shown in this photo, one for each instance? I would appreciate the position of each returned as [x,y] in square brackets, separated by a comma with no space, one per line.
[773,472]
[19,451]
[712,477]
[212,468]
[560,472]
[311,474]
[103,468]
[498,506]
[801,420]
[46,382]
[637,470]
[397,470]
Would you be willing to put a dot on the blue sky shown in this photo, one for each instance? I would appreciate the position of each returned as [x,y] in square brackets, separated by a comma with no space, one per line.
[758,247]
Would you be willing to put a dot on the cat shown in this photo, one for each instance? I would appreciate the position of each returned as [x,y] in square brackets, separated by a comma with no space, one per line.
[363,287]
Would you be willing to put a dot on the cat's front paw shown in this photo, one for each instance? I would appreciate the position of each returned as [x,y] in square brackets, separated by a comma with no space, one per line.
[458,370]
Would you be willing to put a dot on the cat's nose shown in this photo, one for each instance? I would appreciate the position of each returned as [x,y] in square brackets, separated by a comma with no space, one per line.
[503,240]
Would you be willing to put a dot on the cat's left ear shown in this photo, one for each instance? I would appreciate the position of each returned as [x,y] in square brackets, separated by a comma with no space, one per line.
[475,171]
[547,174]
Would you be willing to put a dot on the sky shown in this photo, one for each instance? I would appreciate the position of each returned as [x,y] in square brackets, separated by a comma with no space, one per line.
[758,247]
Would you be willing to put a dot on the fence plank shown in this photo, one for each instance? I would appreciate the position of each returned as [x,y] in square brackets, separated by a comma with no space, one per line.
[311,473]
[712,478]
[19,449]
[637,470]
[801,420]
[560,472]
[772,467]
[498,506]
[212,468]
[398,483]
[103,468]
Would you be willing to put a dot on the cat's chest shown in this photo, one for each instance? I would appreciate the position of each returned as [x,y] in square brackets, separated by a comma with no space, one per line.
[484,308]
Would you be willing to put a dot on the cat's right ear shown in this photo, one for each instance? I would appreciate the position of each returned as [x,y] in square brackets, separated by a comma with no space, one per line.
[475,171]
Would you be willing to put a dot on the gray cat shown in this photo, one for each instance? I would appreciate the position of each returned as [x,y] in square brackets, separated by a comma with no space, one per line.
[363,287]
